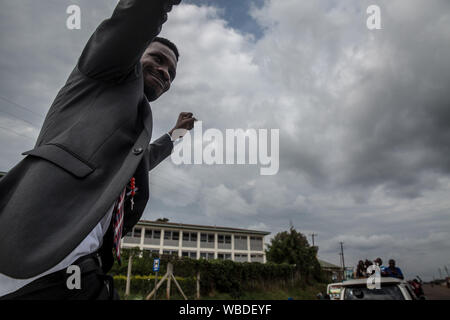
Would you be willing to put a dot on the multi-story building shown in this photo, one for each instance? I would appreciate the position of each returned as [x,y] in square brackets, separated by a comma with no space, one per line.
[197,241]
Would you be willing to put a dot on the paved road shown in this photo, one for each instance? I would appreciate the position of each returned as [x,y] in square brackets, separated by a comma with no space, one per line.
[436,292]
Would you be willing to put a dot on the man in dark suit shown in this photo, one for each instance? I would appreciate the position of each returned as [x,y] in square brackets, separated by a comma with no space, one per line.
[85,184]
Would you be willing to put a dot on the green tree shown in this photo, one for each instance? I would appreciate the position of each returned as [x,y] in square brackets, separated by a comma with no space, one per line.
[292,247]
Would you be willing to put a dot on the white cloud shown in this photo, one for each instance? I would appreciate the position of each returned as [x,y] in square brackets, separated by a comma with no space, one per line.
[259,226]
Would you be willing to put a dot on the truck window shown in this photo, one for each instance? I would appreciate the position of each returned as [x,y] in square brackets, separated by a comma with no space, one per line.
[387,292]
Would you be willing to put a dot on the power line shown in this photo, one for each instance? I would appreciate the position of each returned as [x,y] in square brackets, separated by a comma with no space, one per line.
[16,133]
[18,118]
[20,106]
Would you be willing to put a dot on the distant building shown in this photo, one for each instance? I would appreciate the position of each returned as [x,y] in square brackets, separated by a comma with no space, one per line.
[333,272]
[197,241]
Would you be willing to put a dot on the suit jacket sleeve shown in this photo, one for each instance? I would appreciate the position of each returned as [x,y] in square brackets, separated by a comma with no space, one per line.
[117,45]
[159,150]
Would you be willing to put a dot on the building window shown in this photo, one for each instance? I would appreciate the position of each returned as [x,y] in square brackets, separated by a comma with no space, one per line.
[224,256]
[257,258]
[207,255]
[256,243]
[190,236]
[189,254]
[240,257]
[240,243]
[224,238]
[152,234]
[133,237]
[207,237]
[171,252]
[171,235]
[137,233]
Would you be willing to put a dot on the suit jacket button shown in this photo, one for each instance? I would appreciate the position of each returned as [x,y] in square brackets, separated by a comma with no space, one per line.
[137,151]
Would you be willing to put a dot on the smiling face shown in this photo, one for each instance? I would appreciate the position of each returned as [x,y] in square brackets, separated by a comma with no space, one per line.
[159,65]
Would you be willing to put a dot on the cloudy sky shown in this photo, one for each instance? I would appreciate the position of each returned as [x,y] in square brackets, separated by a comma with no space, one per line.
[364,115]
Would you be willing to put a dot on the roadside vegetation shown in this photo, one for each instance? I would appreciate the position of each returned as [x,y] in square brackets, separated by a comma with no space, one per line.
[292,271]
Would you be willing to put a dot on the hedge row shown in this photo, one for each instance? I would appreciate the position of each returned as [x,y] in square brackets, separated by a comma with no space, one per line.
[215,275]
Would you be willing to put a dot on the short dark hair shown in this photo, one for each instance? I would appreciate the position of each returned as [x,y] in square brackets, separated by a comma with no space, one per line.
[168,43]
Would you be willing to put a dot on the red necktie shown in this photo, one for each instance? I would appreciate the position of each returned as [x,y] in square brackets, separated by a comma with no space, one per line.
[118,215]
[118,223]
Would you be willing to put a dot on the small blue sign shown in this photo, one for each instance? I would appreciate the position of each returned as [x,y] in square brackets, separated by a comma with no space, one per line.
[156,265]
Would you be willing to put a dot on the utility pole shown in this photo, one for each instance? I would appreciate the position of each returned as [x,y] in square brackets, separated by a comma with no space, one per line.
[343,261]
[312,236]
[127,287]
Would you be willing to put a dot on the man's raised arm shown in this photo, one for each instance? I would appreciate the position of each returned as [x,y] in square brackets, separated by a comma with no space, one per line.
[162,147]
[116,46]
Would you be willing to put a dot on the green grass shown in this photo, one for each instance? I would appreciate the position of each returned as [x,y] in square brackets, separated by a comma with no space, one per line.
[131,297]
[305,292]
[297,293]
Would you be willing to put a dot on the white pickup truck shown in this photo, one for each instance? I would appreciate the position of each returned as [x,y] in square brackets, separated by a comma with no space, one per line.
[391,289]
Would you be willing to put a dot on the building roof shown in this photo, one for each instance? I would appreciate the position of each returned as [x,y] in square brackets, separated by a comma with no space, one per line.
[200,227]
[328,265]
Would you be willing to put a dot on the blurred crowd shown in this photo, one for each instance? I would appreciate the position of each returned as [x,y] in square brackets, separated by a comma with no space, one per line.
[363,269]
